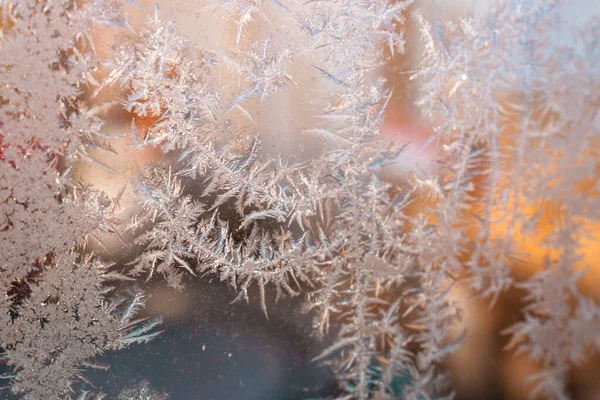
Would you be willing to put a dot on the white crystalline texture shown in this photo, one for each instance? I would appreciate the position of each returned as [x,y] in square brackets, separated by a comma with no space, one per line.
[515,113]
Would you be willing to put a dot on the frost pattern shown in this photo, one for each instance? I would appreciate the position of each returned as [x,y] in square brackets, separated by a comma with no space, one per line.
[513,116]
[518,137]
[56,315]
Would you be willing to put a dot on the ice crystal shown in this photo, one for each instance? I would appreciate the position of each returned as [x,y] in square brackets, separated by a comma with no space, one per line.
[55,316]
[515,112]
